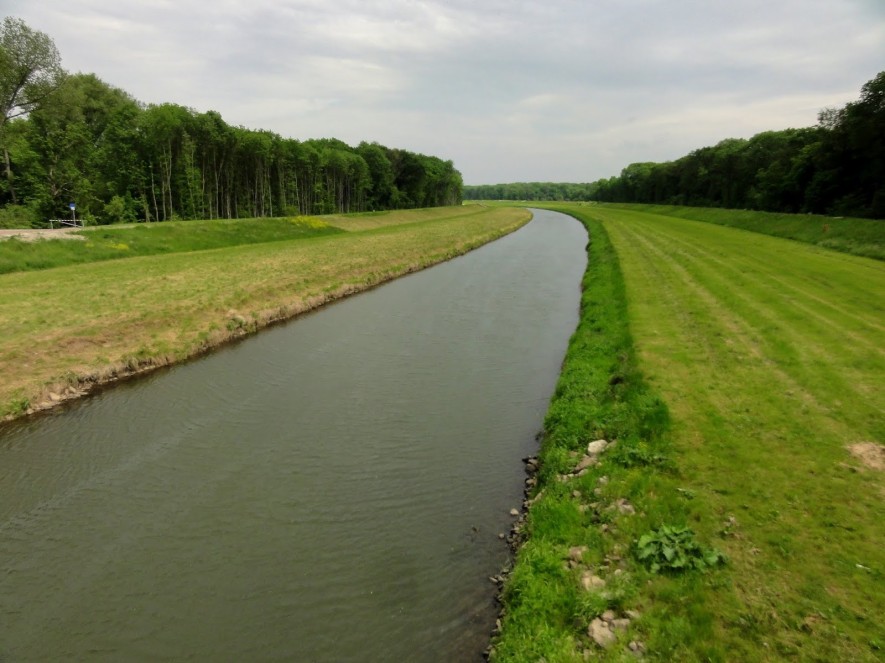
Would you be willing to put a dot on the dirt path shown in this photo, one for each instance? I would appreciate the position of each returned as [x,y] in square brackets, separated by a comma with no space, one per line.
[33,234]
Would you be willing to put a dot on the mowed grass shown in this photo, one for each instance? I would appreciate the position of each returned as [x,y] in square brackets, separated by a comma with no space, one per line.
[574,526]
[115,242]
[770,358]
[374,220]
[75,326]
[862,237]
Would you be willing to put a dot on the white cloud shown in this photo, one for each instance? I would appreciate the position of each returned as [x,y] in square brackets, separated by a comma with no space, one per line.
[508,89]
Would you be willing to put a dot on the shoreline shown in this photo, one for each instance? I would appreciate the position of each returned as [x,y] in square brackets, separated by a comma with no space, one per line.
[569,587]
[654,547]
[234,327]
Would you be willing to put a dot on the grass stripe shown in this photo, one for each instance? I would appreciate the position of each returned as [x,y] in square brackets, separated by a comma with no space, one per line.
[762,430]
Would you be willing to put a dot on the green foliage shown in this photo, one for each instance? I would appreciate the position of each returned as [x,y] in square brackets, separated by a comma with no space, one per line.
[550,191]
[118,160]
[670,548]
[30,68]
[16,216]
[15,407]
[630,453]
[834,168]
[120,210]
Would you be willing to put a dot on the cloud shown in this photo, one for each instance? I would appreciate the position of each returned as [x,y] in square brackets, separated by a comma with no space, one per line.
[561,90]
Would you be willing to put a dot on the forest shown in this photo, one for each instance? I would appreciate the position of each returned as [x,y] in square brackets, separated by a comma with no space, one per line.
[550,191]
[836,167]
[72,138]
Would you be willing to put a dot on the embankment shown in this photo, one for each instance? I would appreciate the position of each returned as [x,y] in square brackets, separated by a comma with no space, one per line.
[70,329]
[574,566]
[769,356]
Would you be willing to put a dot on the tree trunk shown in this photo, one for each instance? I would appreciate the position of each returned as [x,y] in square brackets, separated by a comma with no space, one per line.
[9,177]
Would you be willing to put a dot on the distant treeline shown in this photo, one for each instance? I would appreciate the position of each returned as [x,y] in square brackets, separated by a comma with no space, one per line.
[75,139]
[836,168]
[558,191]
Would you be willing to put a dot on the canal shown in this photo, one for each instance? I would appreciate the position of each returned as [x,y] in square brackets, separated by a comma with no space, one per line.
[331,489]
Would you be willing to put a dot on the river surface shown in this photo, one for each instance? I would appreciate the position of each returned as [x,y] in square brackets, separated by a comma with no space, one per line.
[330,489]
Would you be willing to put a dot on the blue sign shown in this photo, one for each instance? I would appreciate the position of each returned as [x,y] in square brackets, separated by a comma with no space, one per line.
[72,206]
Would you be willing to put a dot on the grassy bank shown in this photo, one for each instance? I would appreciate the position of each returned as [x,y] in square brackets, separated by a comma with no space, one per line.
[769,357]
[861,237]
[69,328]
[146,239]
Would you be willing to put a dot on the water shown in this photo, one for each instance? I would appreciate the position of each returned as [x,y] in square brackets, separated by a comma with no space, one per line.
[331,489]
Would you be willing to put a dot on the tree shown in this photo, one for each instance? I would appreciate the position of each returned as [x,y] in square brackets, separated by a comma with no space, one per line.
[850,176]
[92,143]
[30,70]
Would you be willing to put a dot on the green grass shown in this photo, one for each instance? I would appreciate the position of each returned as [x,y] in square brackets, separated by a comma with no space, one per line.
[389,219]
[112,243]
[861,237]
[600,394]
[769,357]
[74,326]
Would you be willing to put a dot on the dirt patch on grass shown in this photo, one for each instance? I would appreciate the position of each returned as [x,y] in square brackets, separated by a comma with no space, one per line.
[32,235]
[870,454]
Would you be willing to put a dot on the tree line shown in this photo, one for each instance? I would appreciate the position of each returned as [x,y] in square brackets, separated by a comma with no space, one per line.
[559,191]
[74,138]
[836,167]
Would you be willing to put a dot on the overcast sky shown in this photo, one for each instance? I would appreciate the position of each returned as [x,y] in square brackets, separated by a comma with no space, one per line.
[559,90]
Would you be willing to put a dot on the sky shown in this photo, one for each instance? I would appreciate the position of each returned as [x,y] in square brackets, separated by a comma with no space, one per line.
[559,90]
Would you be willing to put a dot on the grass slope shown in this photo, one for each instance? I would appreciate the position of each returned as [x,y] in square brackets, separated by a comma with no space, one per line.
[374,220]
[68,328]
[144,239]
[769,357]
[861,237]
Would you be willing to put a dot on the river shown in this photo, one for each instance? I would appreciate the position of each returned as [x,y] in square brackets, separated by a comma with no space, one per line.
[331,489]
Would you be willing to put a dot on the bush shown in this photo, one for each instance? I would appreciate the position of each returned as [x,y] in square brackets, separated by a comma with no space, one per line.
[17,216]
[120,210]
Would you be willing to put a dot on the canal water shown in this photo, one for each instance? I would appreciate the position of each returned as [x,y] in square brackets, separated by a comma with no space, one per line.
[330,489]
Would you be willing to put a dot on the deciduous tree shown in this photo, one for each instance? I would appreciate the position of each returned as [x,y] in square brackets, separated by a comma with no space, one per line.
[30,70]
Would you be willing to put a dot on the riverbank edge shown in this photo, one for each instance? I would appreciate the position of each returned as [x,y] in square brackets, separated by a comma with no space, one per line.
[231,329]
[575,590]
